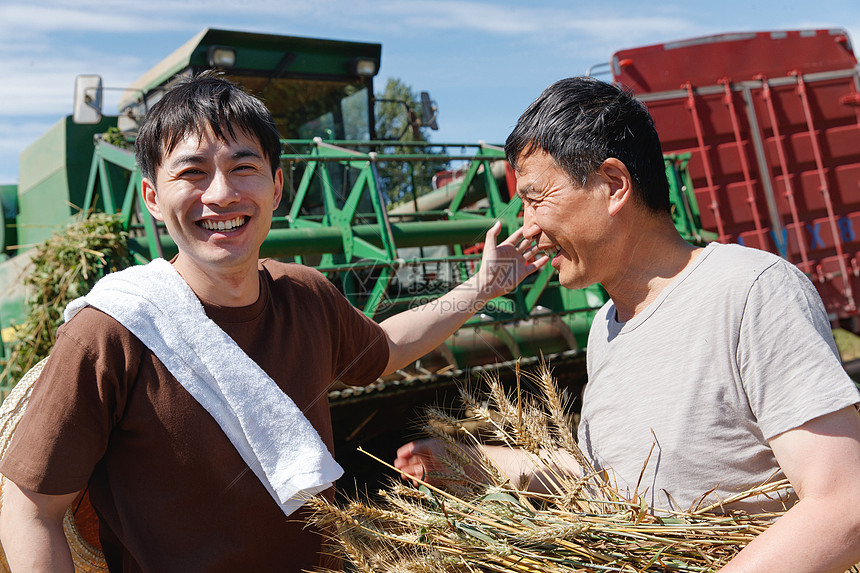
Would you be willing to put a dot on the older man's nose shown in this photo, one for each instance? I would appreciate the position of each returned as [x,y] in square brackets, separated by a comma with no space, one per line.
[530,228]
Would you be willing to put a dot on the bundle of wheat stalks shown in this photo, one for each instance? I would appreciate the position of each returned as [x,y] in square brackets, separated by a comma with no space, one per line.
[479,521]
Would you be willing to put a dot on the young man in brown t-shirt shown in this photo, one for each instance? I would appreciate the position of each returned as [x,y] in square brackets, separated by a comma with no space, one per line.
[106,415]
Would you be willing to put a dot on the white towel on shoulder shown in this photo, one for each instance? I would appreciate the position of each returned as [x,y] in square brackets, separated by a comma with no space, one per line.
[272,435]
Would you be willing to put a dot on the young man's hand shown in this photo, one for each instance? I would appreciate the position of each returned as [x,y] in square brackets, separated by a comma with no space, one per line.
[505,265]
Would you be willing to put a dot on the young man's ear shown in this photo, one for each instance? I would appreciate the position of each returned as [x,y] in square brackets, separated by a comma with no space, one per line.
[279,187]
[150,198]
[620,184]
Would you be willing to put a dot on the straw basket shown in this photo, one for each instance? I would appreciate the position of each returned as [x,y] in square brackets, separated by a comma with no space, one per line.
[80,523]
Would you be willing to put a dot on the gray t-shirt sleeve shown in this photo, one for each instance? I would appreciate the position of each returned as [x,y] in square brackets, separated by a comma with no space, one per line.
[787,358]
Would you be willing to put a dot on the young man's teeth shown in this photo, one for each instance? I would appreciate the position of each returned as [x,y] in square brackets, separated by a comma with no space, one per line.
[224,225]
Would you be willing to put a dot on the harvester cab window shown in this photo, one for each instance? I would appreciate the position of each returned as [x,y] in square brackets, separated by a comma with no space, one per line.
[308,108]
[353,117]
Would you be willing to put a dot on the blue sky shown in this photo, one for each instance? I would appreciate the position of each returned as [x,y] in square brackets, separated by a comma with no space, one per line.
[482,61]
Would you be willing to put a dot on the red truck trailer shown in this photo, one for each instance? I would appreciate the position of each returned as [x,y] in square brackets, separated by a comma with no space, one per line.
[772,123]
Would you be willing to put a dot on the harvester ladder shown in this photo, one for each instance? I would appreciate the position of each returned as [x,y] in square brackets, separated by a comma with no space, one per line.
[825,190]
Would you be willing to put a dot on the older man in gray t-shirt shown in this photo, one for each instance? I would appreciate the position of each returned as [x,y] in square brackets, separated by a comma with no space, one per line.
[720,358]
[735,351]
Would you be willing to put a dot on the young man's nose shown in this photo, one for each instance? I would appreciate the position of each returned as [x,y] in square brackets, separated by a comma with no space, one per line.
[220,192]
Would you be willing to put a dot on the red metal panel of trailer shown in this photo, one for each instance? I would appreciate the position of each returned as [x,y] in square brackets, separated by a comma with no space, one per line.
[772,123]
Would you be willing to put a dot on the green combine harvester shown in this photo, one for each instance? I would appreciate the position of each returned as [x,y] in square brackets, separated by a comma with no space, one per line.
[336,215]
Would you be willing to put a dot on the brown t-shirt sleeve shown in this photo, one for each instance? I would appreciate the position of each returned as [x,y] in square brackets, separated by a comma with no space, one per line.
[75,404]
[363,353]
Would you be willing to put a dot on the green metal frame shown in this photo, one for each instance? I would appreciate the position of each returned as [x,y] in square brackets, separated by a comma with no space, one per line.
[376,245]
[685,208]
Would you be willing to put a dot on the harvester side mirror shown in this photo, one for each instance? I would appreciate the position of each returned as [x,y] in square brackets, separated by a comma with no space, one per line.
[88,99]
[428,112]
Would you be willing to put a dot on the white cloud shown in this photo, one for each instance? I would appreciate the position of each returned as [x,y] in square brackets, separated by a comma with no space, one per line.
[533,21]
[472,23]
[24,20]
[36,86]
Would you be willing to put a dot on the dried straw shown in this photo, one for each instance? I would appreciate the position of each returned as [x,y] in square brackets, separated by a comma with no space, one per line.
[478,521]
[64,266]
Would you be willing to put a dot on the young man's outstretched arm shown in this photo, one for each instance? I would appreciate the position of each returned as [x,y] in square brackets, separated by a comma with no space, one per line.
[415,332]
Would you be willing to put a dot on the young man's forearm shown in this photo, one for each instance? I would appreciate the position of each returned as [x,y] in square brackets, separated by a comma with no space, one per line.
[31,531]
[415,332]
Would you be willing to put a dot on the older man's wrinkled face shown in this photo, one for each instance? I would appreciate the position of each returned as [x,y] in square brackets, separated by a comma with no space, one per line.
[569,222]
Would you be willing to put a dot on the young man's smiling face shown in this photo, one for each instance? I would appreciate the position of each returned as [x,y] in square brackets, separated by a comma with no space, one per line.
[216,199]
